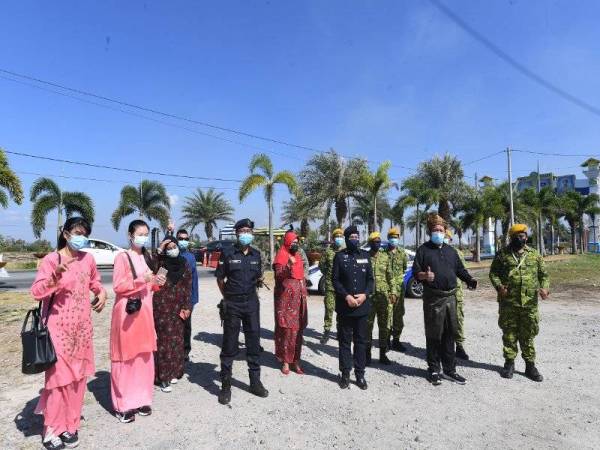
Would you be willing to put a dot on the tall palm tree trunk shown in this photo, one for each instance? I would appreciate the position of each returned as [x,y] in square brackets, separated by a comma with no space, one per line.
[418,228]
[573,243]
[375,224]
[271,244]
[60,221]
[477,245]
[551,238]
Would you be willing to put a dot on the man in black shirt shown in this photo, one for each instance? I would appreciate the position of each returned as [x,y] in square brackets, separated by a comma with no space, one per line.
[238,275]
[353,282]
[438,265]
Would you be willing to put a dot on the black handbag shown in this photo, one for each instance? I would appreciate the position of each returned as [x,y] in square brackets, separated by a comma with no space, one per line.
[133,304]
[38,351]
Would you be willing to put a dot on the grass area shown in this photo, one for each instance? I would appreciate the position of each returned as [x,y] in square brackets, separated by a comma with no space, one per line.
[14,306]
[566,272]
[30,265]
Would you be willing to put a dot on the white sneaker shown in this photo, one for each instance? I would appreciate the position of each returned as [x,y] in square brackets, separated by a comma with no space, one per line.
[52,442]
[174,381]
[165,387]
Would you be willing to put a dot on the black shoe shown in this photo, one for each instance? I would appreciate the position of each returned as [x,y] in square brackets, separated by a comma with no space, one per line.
[460,353]
[368,358]
[361,382]
[345,380]
[144,411]
[434,378]
[532,373]
[125,417]
[225,392]
[258,389]
[70,440]
[397,345]
[508,369]
[383,359]
[53,443]
[325,337]
[454,377]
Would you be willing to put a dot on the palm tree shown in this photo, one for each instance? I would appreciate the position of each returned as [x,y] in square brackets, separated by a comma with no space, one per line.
[299,209]
[475,214]
[376,184]
[576,207]
[415,221]
[47,196]
[9,182]
[267,180]
[443,177]
[330,180]
[417,194]
[207,208]
[149,200]
[365,212]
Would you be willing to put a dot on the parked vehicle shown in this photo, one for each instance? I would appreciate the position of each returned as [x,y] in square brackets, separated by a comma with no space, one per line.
[212,248]
[412,286]
[103,252]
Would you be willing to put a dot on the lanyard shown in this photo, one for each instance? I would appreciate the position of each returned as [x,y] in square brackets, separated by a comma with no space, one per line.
[518,261]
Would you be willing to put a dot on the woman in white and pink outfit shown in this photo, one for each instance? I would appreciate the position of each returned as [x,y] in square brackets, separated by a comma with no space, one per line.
[69,275]
[132,335]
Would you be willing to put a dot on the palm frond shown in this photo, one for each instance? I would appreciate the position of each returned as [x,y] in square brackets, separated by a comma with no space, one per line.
[78,203]
[44,185]
[263,162]
[41,207]
[10,182]
[250,184]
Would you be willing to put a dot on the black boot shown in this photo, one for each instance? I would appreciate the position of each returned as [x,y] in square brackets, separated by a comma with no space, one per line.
[460,352]
[325,337]
[383,359]
[345,380]
[532,373]
[257,388]
[225,392]
[368,356]
[508,370]
[397,345]
[361,382]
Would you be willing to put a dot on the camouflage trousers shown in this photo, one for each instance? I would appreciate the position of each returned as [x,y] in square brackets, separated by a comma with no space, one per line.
[398,316]
[460,315]
[519,325]
[329,301]
[381,308]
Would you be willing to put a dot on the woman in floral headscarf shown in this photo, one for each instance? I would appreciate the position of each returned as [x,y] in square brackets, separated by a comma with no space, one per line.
[290,304]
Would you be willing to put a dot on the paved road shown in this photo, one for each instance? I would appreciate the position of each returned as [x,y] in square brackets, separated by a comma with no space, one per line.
[22,280]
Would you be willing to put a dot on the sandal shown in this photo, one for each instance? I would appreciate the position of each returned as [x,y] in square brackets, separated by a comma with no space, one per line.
[285,369]
[298,369]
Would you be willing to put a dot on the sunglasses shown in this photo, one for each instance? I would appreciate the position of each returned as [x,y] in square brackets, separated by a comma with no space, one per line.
[183,239]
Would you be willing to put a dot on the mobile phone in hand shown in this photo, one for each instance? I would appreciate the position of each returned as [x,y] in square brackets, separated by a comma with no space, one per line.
[95,301]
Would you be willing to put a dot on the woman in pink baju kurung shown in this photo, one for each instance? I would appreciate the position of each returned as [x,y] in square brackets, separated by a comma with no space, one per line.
[70,325]
[132,336]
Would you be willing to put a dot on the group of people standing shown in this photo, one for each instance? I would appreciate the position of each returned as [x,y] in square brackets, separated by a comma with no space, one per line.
[150,327]
[155,294]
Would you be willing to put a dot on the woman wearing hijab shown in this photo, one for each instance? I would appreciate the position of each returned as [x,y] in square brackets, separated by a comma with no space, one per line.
[172,306]
[290,304]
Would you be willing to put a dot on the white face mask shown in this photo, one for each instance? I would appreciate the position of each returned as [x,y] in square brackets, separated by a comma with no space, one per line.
[173,252]
[140,241]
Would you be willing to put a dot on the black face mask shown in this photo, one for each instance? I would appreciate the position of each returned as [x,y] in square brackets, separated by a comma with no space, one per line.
[518,243]
[294,248]
[352,244]
[375,245]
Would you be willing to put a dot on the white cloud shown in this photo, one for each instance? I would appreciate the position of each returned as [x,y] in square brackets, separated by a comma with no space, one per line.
[173,198]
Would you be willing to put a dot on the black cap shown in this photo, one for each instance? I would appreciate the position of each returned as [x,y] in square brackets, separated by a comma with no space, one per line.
[244,223]
[350,230]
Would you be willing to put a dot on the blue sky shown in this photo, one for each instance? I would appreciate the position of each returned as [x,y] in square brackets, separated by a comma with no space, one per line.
[386,80]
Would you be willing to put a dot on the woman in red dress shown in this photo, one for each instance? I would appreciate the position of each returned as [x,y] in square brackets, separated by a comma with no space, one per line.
[290,304]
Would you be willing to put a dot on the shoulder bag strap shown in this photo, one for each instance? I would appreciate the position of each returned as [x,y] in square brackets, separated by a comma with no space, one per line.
[51,301]
[131,266]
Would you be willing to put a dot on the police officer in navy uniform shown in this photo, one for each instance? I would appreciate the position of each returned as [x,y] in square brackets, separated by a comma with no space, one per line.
[239,274]
[353,282]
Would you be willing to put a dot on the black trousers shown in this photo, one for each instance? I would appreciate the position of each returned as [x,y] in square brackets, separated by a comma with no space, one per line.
[241,311]
[352,330]
[440,328]
[187,335]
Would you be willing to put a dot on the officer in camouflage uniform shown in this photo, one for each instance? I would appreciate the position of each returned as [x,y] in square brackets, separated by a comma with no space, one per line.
[460,312]
[326,268]
[382,306]
[518,273]
[398,265]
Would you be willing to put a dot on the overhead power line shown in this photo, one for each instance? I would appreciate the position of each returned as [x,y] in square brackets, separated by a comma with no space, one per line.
[519,67]
[483,158]
[121,169]
[554,154]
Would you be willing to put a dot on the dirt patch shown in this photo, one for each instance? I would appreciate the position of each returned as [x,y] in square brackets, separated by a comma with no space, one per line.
[399,410]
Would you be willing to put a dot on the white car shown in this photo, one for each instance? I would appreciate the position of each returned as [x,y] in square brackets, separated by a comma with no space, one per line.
[103,252]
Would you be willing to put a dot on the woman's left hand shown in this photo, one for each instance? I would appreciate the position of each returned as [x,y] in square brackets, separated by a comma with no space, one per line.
[184,314]
[99,306]
[292,260]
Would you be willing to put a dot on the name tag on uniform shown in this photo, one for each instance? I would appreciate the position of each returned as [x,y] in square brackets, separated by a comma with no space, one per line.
[362,261]
[235,261]
[253,262]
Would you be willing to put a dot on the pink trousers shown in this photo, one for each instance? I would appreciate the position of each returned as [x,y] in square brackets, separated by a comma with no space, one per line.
[132,382]
[61,407]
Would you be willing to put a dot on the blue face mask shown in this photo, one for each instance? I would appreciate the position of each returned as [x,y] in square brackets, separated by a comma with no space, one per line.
[77,242]
[140,241]
[394,242]
[339,241]
[352,244]
[437,237]
[183,245]
[245,238]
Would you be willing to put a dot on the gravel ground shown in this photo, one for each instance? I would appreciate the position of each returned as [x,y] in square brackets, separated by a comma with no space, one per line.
[399,410]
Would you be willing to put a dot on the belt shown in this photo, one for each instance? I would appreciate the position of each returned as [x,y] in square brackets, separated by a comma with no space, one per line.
[234,297]
[439,293]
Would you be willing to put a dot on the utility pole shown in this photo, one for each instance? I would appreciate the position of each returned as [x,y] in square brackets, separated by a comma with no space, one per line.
[510,188]
[475,181]
[540,228]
